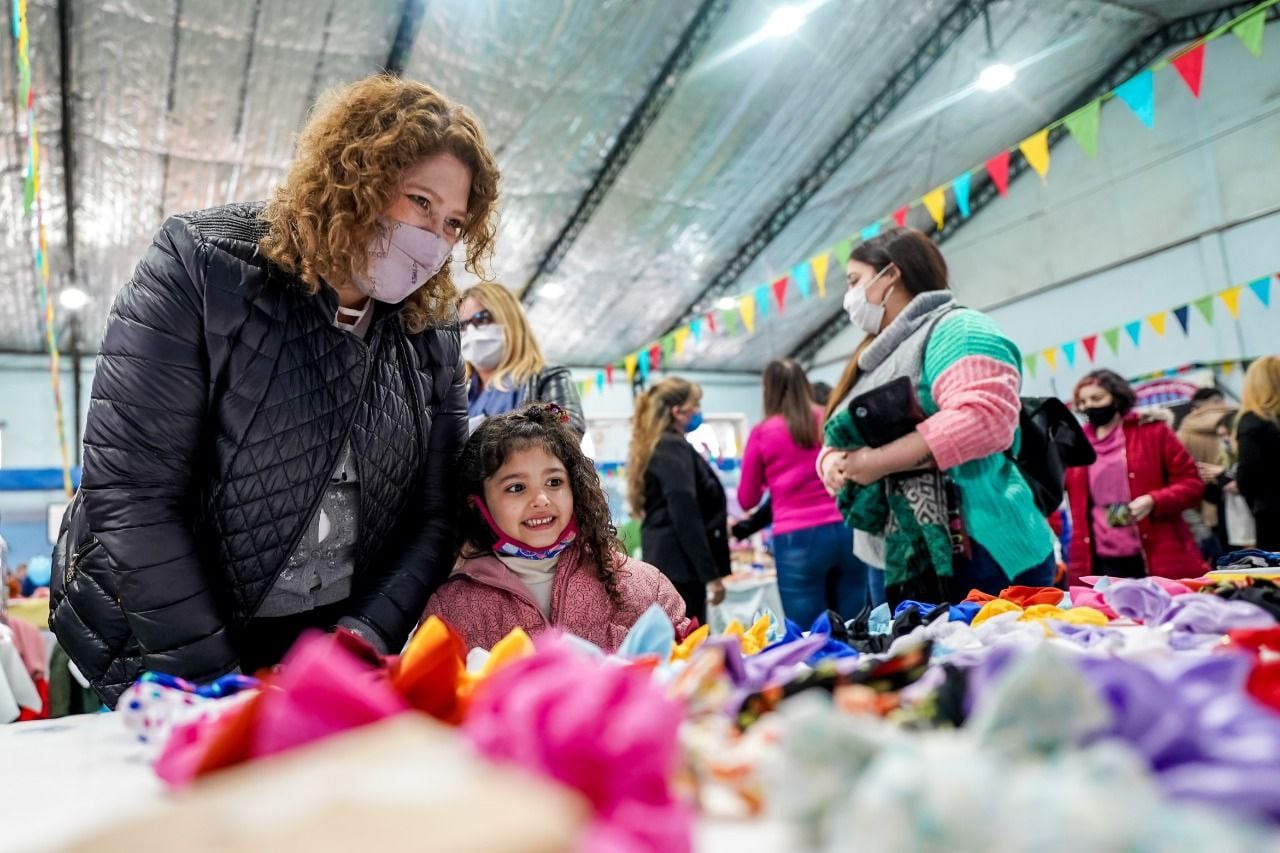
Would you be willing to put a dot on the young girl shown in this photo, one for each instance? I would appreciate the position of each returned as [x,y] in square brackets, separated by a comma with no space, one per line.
[538,549]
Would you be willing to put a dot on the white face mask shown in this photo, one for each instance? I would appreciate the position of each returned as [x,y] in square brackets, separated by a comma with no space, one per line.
[484,346]
[862,313]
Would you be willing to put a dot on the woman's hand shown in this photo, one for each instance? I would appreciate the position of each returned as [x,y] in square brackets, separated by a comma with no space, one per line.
[715,592]
[833,465]
[1208,471]
[1231,487]
[862,467]
[1141,507]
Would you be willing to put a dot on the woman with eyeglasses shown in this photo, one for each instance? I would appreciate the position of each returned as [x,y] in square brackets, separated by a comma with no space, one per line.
[507,367]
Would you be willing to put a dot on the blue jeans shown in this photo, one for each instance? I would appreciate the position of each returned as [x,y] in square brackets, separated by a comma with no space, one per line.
[817,571]
[875,583]
[984,573]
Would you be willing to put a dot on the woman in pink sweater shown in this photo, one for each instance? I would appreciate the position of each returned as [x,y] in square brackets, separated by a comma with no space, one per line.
[813,548]
[538,548]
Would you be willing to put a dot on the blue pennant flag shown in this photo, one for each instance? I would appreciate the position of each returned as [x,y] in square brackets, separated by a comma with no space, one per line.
[1261,288]
[1139,93]
[802,275]
[1182,312]
[1134,329]
[762,300]
[960,186]
[870,231]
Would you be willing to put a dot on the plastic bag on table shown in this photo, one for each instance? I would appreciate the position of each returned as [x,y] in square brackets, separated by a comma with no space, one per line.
[748,595]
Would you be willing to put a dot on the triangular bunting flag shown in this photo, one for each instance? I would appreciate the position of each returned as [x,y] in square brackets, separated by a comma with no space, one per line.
[998,169]
[960,186]
[1140,94]
[1030,361]
[1134,330]
[1231,298]
[600,381]
[643,364]
[731,319]
[1205,306]
[1090,345]
[1069,350]
[1083,124]
[1157,322]
[1190,67]
[1250,31]
[630,363]
[780,292]
[1050,357]
[1183,315]
[1036,149]
[762,299]
[711,321]
[695,329]
[802,275]
[870,232]
[747,308]
[1228,367]
[819,264]
[842,251]
[1112,337]
[608,373]
[655,357]
[935,201]
[1261,288]
[682,337]
[900,216]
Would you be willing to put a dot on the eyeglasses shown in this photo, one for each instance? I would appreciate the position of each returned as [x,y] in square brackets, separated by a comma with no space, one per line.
[476,320]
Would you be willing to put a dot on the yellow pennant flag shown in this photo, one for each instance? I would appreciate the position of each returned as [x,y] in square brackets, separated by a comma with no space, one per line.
[584,389]
[1231,297]
[1036,149]
[630,364]
[682,338]
[747,307]
[819,264]
[1228,367]
[1051,357]
[936,203]
[1157,321]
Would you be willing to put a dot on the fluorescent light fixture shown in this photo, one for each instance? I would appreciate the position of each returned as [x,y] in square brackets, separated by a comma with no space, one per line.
[726,303]
[785,20]
[996,76]
[551,290]
[73,298]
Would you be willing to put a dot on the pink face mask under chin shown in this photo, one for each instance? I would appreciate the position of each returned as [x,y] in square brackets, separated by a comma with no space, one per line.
[511,547]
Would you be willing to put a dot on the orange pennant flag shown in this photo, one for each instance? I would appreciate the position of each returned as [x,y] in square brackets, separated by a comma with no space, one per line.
[1231,298]
[819,264]
[936,203]
[1036,149]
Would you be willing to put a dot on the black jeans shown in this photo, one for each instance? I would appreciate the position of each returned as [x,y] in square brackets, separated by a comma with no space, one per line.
[694,594]
[264,642]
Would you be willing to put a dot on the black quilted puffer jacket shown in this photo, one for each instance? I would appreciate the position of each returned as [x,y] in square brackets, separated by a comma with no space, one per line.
[222,399]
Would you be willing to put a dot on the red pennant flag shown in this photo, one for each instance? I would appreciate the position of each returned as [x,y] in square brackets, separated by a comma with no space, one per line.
[655,357]
[1090,345]
[608,372]
[900,216]
[1190,67]
[711,321]
[998,169]
[780,292]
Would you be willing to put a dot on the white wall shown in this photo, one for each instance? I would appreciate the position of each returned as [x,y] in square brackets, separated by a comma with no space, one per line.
[29,432]
[1163,216]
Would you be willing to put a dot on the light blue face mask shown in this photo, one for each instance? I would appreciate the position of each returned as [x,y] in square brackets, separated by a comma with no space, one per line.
[694,422]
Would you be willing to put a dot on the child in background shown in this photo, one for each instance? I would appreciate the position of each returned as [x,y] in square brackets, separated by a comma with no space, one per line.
[538,549]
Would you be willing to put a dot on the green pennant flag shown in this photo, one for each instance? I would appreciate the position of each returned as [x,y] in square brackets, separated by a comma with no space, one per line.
[1083,124]
[730,322]
[1030,360]
[1250,30]
[842,250]
[28,194]
[1112,337]
[1205,306]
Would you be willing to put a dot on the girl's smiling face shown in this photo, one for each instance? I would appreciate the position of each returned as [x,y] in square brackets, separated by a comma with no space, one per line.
[530,498]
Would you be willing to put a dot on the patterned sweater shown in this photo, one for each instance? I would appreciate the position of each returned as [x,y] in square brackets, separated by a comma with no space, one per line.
[483,600]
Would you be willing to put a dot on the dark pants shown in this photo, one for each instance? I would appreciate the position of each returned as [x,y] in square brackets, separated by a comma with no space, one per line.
[982,572]
[694,594]
[264,642]
[817,571]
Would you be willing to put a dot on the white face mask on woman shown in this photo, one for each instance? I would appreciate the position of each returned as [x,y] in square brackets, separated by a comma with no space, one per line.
[861,312]
[484,346]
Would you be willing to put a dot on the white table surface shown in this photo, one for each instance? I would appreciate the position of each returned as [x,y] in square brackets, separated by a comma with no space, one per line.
[64,779]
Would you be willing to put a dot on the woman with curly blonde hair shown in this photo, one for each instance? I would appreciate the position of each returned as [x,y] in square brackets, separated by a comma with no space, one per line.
[279,400]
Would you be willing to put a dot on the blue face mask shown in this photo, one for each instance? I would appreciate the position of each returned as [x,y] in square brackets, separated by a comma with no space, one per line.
[694,422]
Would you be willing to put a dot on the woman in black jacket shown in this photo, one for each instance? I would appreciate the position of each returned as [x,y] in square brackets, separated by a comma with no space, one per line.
[684,528]
[278,402]
[1258,448]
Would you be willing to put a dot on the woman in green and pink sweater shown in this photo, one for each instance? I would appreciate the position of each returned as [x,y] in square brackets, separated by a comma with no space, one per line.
[967,376]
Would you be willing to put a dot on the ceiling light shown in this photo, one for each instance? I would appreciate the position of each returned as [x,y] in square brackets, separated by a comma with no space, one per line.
[995,76]
[551,290]
[727,303]
[73,298]
[785,20]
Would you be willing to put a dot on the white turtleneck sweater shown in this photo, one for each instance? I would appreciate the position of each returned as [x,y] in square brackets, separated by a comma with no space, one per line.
[537,576]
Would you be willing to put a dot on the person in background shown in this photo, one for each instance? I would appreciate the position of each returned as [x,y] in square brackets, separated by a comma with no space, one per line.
[813,549]
[538,550]
[507,367]
[1235,520]
[821,393]
[965,374]
[676,494]
[1126,508]
[1198,432]
[279,401]
[1257,442]
[14,578]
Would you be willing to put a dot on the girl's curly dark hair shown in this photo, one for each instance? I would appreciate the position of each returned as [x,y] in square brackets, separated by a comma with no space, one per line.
[542,425]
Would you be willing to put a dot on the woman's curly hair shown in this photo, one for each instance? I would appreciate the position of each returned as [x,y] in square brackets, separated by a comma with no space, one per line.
[542,425]
[352,155]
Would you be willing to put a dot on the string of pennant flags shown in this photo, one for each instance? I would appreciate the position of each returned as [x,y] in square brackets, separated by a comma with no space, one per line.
[1158,322]
[1227,366]
[754,306]
[31,203]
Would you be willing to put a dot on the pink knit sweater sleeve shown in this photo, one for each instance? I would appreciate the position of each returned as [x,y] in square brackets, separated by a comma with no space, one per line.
[978,406]
[751,483]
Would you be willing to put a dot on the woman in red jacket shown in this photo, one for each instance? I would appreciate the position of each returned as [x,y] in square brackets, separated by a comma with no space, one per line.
[1126,508]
